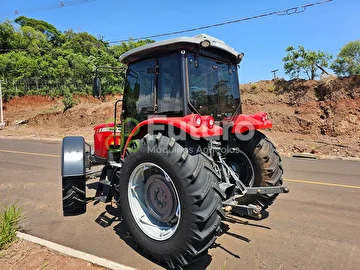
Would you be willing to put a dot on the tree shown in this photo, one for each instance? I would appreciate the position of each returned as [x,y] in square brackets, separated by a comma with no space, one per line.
[83,43]
[34,41]
[127,46]
[37,58]
[44,27]
[347,62]
[300,61]
[7,32]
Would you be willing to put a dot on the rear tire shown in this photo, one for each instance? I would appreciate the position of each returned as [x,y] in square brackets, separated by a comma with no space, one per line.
[258,165]
[170,200]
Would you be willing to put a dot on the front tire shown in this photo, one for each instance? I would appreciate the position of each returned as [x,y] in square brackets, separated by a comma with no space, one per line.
[258,164]
[73,195]
[171,200]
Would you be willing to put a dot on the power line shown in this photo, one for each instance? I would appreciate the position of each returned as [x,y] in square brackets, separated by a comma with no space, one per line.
[289,11]
[53,5]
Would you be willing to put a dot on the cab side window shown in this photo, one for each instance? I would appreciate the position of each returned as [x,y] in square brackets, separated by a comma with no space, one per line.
[139,90]
[170,86]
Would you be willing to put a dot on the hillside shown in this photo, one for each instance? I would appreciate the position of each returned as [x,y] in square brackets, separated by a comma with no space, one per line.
[319,117]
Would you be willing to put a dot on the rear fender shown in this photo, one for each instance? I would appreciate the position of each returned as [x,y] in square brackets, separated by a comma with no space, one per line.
[257,121]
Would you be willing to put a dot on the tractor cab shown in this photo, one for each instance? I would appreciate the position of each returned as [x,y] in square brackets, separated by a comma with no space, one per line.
[181,76]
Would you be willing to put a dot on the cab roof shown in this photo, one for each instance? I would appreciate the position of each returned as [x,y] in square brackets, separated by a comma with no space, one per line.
[186,43]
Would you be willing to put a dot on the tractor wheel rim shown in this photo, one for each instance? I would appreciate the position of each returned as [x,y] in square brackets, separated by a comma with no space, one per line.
[154,201]
[244,168]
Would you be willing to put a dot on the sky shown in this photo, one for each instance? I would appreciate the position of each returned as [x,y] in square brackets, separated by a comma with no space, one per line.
[325,27]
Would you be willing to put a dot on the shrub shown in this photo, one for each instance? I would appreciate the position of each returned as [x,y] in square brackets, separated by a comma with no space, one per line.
[68,100]
[272,88]
[9,224]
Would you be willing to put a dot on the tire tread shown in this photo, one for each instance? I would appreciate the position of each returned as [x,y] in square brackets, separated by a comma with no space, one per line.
[203,201]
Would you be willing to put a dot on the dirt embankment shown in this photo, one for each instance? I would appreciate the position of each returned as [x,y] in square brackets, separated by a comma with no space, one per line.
[44,117]
[319,117]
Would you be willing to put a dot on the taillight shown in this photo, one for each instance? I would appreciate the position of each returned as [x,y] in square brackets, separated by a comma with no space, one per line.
[197,121]
[264,117]
[210,122]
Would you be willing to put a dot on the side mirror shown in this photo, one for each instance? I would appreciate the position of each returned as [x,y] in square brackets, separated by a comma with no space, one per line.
[96,87]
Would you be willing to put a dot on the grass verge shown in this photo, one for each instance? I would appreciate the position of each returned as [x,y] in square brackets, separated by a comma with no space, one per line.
[9,224]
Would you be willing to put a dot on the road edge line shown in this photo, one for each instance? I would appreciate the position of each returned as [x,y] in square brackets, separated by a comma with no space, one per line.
[74,253]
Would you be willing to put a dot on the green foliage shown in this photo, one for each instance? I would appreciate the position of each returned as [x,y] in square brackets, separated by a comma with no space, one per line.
[7,35]
[298,62]
[126,46]
[253,86]
[82,43]
[9,224]
[37,58]
[43,27]
[68,100]
[347,62]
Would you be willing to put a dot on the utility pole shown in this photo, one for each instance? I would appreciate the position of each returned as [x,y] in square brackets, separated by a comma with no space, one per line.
[274,71]
[2,124]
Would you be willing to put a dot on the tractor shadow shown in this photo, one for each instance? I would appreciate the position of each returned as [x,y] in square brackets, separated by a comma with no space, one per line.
[112,214]
[204,261]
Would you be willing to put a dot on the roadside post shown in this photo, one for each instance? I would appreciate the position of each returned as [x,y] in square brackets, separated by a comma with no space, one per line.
[2,124]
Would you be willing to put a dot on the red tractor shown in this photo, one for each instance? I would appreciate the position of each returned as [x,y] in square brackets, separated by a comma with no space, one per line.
[183,153]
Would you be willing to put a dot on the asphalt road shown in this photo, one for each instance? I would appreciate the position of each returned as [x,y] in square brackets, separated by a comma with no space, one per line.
[315,226]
